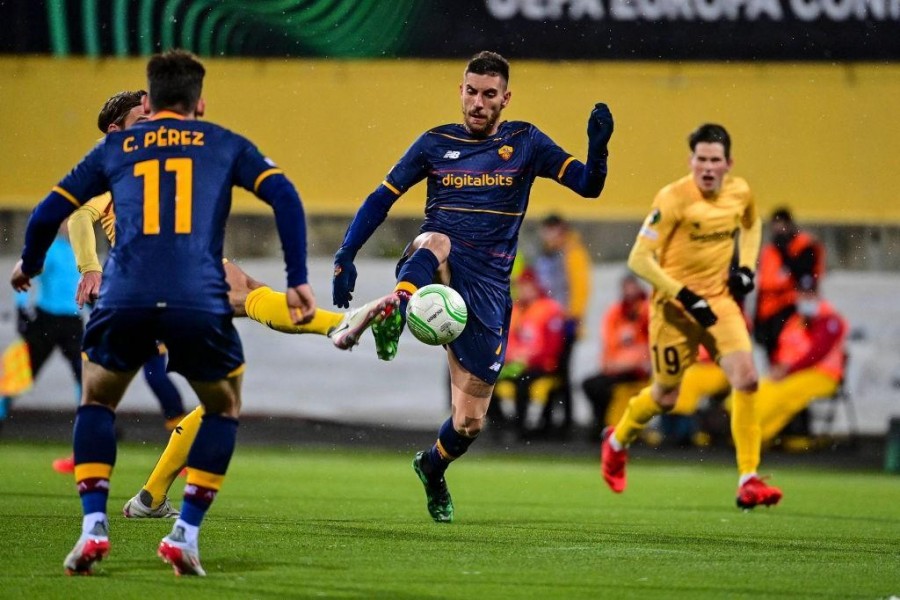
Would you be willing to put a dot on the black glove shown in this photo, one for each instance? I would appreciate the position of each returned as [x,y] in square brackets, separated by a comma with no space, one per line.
[344,280]
[697,307]
[740,283]
[599,130]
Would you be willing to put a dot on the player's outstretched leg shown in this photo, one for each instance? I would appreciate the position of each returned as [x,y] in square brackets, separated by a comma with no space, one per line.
[345,335]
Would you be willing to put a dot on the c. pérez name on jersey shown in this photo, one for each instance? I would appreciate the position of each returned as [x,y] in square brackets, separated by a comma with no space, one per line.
[163,136]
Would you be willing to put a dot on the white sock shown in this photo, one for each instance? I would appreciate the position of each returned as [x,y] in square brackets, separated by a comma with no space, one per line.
[614,443]
[90,520]
[191,532]
[745,478]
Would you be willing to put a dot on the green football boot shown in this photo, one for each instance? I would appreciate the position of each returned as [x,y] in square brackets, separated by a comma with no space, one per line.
[440,504]
[387,330]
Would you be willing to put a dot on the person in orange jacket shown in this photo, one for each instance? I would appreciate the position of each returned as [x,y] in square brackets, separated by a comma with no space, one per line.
[807,364]
[626,349]
[536,341]
[792,259]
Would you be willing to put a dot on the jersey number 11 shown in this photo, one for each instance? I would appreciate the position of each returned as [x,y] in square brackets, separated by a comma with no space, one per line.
[184,186]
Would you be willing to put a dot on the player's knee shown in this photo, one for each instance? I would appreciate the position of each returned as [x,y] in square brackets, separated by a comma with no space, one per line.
[666,398]
[438,243]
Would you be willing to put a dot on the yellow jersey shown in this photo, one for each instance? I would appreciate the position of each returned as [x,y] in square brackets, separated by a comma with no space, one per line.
[692,239]
[81,230]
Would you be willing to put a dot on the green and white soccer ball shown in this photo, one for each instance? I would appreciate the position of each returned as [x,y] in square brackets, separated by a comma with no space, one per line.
[436,314]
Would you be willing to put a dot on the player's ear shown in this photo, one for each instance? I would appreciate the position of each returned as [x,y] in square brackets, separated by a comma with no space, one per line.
[506,96]
[201,107]
[145,103]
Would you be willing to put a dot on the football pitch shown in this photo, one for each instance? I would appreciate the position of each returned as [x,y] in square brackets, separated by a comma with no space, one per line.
[296,523]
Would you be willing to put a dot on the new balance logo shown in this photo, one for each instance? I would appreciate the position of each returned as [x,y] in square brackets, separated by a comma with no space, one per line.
[495,367]
[452,154]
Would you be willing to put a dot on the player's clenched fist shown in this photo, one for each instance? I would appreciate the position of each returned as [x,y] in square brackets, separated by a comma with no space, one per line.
[600,127]
[698,307]
[344,279]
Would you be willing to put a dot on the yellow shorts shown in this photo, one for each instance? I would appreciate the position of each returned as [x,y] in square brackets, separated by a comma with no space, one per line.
[675,337]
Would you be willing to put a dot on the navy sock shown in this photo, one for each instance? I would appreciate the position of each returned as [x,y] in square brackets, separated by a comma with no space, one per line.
[418,270]
[449,446]
[211,452]
[163,388]
[94,441]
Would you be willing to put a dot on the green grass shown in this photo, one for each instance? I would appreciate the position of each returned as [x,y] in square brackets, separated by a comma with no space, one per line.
[342,524]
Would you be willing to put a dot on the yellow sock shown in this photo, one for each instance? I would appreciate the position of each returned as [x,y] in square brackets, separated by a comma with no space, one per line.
[265,305]
[174,457]
[641,409]
[745,430]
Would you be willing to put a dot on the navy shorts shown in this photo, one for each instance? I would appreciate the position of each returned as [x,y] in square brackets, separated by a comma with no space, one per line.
[202,346]
[481,348]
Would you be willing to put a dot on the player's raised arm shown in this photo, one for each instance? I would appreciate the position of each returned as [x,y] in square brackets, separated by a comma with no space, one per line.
[585,179]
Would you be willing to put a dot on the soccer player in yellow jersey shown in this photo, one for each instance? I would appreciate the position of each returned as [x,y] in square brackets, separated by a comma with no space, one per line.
[248,298]
[684,250]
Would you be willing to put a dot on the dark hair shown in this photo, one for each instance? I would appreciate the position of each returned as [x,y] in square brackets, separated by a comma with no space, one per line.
[489,63]
[782,214]
[117,108]
[553,220]
[711,133]
[175,79]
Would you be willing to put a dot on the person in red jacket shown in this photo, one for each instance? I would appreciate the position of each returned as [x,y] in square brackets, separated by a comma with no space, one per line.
[626,350]
[792,259]
[536,342]
[807,364]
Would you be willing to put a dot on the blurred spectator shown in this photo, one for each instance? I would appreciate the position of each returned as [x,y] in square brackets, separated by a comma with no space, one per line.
[533,354]
[625,357]
[563,267]
[790,260]
[807,364]
[49,318]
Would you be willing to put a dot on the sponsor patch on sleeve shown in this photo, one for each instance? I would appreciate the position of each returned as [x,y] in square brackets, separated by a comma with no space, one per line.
[647,228]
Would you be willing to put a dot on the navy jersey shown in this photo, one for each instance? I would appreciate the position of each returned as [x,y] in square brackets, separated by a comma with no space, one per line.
[171,182]
[477,195]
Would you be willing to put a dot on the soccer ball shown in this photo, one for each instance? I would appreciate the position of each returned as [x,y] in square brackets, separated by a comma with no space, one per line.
[436,314]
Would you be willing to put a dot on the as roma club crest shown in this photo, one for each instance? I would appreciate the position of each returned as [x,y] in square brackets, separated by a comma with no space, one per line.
[505,152]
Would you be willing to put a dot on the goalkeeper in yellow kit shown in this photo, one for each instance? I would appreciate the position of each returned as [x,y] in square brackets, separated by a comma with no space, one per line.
[684,250]
[248,298]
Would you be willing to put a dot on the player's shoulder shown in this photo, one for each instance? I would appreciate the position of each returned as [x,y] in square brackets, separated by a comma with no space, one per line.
[676,192]
[737,185]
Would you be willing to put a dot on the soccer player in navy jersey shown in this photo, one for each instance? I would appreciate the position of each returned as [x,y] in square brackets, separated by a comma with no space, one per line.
[479,177]
[171,178]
